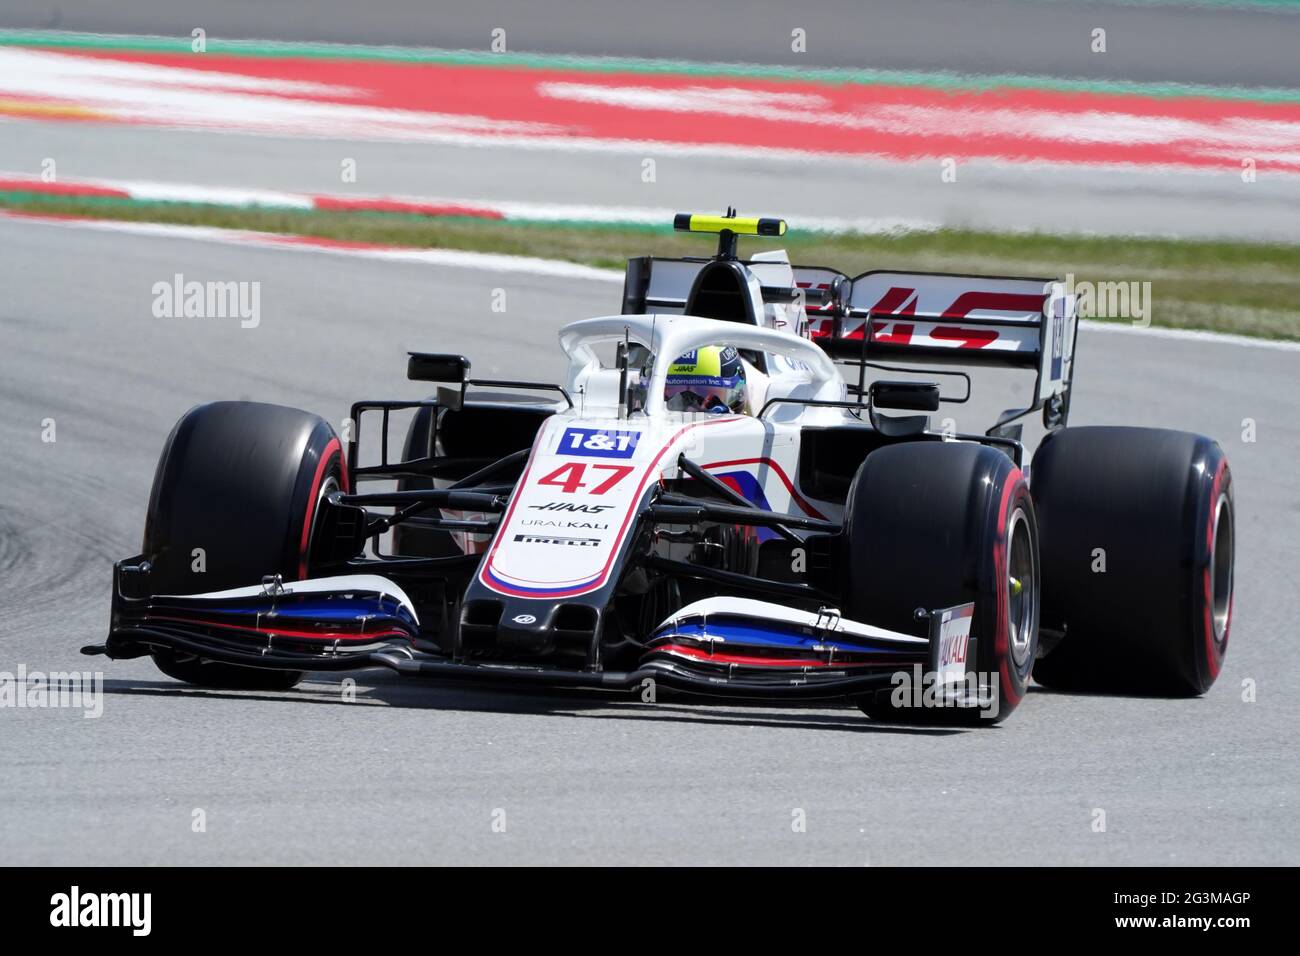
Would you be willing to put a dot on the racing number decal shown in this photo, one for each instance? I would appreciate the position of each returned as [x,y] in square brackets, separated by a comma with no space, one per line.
[569,478]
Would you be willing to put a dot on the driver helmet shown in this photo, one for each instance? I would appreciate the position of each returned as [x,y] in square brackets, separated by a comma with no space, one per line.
[710,379]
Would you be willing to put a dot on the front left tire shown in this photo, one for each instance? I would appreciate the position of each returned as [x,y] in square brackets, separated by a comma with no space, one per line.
[234,499]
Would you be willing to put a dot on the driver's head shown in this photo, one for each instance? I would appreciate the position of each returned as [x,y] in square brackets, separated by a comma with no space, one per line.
[710,379]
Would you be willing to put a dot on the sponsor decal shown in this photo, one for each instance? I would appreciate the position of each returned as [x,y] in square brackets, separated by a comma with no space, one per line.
[557,539]
[952,644]
[524,619]
[948,682]
[1057,319]
[571,506]
[586,525]
[570,569]
[932,336]
[598,443]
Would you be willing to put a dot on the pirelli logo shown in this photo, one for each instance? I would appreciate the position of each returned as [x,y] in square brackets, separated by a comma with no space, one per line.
[557,539]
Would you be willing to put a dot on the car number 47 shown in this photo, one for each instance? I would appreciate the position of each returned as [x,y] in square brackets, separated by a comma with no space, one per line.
[571,478]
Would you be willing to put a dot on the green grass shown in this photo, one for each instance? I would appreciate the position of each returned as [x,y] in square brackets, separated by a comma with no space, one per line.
[1246,288]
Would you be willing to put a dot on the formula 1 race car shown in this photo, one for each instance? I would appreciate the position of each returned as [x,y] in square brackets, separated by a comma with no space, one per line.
[795,538]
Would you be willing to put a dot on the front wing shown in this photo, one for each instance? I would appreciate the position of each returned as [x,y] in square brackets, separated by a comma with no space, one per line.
[719,647]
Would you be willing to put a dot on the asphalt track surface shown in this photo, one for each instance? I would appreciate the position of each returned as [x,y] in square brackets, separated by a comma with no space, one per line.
[987,195]
[1146,42]
[412,772]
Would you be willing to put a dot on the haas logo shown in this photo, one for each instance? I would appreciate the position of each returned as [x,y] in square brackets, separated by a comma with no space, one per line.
[569,506]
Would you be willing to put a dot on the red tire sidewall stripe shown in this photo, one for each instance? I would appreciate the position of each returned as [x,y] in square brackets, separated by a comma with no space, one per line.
[1214,652]
[1015,481]
[333,448]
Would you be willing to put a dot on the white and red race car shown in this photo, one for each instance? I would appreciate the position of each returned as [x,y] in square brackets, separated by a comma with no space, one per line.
[825,542]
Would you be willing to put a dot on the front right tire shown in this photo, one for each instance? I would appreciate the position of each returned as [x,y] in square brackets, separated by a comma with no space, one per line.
[933,525]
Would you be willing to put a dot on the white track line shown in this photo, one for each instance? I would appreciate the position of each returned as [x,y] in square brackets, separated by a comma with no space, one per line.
[454,258]
[209,195]
[145,191]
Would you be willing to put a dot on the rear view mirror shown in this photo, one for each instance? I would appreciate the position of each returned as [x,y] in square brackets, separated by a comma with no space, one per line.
[437,367]
[911,396]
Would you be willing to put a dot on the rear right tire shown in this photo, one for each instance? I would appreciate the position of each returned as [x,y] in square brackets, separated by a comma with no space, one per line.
[1138,549]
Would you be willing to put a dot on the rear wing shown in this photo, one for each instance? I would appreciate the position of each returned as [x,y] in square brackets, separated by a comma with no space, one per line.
[943,318]
[929,318]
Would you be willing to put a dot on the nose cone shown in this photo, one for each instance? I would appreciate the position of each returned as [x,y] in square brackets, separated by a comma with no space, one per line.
[527,628]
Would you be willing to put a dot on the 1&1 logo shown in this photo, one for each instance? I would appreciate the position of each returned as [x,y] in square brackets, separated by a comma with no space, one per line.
[598,443]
